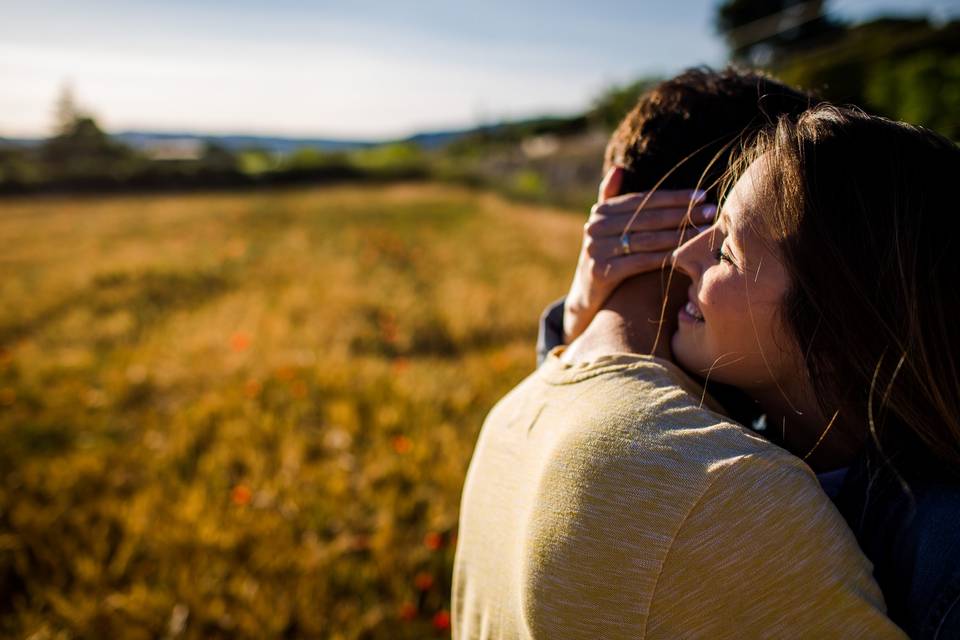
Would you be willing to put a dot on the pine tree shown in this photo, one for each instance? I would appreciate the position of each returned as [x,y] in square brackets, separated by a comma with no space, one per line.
[66,112]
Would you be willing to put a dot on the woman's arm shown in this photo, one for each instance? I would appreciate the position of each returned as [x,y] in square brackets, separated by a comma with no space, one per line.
[625,235]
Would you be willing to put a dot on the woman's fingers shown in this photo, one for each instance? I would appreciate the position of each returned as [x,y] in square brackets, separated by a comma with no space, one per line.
[630,202]
[642,241]
[618,270]
[606,224]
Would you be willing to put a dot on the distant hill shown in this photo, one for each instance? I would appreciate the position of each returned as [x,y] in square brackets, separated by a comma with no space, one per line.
[19,142]
[146,140]
[281,145]
[435,139]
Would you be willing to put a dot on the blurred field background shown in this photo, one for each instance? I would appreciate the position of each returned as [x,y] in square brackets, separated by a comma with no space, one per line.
[241,376]
[250,415]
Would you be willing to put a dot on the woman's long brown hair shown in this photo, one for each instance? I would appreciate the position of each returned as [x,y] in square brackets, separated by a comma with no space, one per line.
[866,215]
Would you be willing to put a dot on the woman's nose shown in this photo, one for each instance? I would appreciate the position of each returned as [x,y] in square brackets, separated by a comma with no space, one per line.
[691,257]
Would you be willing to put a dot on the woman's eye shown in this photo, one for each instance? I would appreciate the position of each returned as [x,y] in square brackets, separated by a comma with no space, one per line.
[719,255]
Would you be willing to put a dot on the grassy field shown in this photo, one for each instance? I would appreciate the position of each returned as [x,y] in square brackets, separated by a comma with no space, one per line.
[249,415]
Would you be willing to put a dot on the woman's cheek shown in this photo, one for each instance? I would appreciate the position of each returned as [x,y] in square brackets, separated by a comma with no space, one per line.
[719,300]
[782,353]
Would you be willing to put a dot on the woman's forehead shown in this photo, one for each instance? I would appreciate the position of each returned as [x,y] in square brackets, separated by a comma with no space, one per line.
[744,202]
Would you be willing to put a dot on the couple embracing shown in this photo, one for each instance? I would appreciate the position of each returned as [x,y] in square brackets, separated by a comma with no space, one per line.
[746,421]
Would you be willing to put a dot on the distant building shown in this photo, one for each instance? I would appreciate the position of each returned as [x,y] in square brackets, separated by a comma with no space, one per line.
[174,149]
[540,146]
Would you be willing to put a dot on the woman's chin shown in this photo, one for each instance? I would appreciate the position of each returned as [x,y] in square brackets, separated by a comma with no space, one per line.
[688,353]
[681,349]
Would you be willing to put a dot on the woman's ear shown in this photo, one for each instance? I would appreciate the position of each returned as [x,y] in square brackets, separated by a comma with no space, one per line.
[611,183]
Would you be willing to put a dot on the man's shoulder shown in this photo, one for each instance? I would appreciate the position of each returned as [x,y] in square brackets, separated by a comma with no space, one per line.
[635,432]
[645,409]
[628,426]
[640,379]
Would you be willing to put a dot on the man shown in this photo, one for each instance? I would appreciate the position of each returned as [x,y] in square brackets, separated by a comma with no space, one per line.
[606,500]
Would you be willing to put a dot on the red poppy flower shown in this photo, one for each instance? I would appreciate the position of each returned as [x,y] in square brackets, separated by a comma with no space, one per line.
[252,388]
[423,581]
[240,341]
[433,541]
[402,444]
[241,495]
[441,620]
[408,611]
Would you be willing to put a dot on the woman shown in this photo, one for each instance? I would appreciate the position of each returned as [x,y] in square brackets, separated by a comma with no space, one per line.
[826,291]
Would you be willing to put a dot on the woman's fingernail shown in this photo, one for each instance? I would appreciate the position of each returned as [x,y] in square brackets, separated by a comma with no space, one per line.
[699,194]
[709,211]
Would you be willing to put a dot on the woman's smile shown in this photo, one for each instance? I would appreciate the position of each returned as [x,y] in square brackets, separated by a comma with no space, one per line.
[690,312]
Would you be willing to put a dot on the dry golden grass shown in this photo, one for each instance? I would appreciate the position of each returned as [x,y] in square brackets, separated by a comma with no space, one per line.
[250,415]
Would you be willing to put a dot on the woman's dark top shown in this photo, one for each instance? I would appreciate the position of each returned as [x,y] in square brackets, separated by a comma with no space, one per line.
[907,522]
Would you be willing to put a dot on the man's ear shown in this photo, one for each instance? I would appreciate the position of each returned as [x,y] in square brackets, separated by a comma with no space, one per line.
[610,185]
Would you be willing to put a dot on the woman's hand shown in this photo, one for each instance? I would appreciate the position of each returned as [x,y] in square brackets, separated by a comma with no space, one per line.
[627,235]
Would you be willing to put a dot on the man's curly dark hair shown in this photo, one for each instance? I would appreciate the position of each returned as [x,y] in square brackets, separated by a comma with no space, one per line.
[694,123]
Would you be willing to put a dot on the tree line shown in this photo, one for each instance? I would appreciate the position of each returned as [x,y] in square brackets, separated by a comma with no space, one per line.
[906,68]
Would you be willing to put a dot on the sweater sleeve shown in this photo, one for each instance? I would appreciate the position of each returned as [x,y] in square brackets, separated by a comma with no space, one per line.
[550,332]
[763,553]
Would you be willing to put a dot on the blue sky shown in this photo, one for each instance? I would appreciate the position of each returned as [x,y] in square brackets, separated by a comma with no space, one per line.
[357,68]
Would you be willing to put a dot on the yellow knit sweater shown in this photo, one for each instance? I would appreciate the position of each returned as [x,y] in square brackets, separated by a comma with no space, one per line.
[603,501]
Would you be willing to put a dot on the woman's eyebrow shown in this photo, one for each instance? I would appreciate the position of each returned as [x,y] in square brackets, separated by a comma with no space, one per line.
[722,221]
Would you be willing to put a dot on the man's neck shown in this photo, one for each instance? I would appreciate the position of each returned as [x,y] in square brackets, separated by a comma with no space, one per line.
[627,323]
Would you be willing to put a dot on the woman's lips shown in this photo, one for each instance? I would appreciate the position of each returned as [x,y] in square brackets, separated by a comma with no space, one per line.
[690,312]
